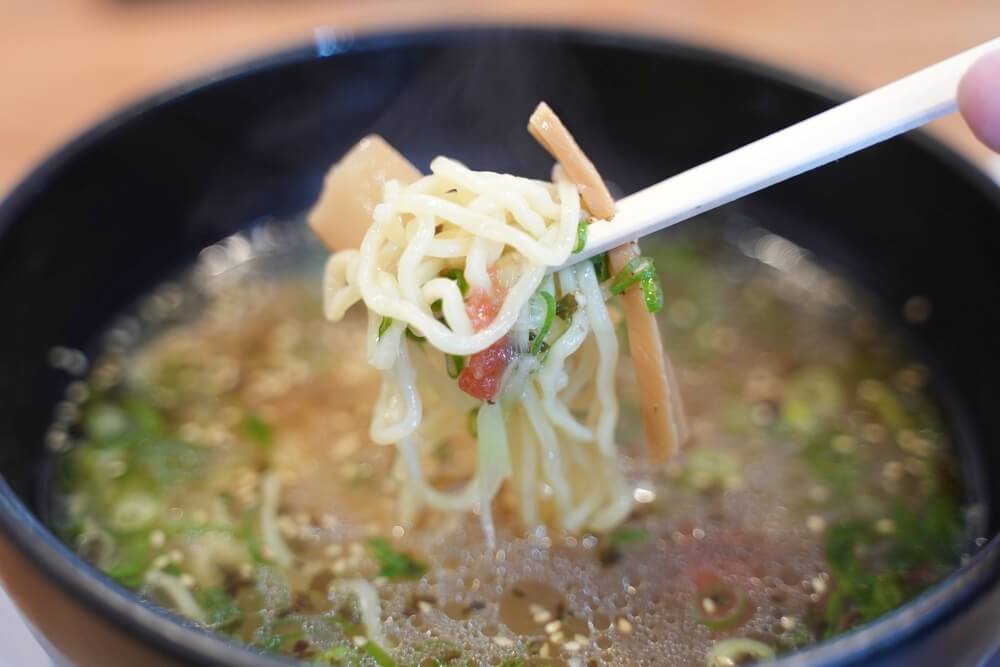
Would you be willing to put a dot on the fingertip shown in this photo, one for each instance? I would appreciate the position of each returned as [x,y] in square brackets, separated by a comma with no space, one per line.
[979,99]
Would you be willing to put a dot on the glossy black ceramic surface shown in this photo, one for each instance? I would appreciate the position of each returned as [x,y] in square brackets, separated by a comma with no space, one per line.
[139,195]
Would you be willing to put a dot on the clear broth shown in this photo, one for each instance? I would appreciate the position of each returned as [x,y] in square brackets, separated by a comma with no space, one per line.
[817,491]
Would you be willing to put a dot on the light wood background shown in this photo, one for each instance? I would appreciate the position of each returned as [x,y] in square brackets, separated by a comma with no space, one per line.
[66,63]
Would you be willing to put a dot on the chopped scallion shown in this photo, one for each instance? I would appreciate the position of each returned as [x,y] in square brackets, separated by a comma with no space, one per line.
[641,271]
[652,293]
[473,422]
[601,267]
[394,564]
[458,277]
[637,269]
[543,331]
[257,430]
[377,653]
[627,535]
[414,337]
[581,236]
[383,327]
[454,365]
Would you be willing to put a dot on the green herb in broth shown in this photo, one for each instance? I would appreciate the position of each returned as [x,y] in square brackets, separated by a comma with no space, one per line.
[257,430]
[394,564]
[815,494]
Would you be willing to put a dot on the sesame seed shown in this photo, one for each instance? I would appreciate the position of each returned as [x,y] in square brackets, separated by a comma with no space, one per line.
[544,651]
[187,581]
[788,623]
[708,605]
[815,523]
[161,562]
[819,585]
[581,639]
[557,637]
[157,539]
[506,642]
[642,495]
[553,627]
[624,626]
[542,617]
[359,640]
[398,531]
[424,606]
[698,534]
[571,646]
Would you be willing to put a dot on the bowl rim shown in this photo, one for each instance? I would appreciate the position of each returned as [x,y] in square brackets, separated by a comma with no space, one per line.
[182,639]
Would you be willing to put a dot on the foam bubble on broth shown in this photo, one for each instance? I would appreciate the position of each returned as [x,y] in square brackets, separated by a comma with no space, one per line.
[805,418]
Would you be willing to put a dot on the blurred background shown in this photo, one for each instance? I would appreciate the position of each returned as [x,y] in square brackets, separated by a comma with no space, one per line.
[64,64]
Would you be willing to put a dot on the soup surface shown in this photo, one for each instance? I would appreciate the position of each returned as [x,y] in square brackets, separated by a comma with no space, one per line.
[225,421]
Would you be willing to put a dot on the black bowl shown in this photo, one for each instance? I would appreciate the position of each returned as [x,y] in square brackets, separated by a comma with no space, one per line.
[140,194]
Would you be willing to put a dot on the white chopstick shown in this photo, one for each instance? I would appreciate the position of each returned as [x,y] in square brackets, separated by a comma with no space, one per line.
[879,115]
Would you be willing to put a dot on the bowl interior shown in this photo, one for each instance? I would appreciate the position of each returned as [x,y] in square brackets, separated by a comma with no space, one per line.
[138,196]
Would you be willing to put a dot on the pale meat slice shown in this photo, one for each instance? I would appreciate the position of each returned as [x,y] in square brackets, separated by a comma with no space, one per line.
[662,412]
[353,188]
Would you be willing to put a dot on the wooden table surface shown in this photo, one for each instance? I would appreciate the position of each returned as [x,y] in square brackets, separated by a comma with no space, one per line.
[66,63]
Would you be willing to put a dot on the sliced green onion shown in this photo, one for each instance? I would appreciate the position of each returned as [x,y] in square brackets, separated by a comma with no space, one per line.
[454,365]
[383,327]
[550,314]
[581,236]
[104,421]
[601,267]
[458,277]
[135,511]
[414,337]
[377,653]
[738,651]
[220,609]
[566,306]
[637,269]
[257,430]
[628,535]
[652,293]
[719,606]
[473,422]
[393,563]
